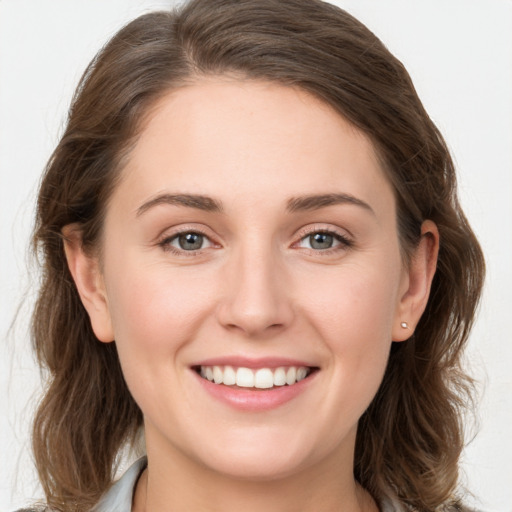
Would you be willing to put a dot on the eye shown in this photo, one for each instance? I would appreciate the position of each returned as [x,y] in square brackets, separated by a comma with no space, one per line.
[187,241]
[320,240]
[323,241]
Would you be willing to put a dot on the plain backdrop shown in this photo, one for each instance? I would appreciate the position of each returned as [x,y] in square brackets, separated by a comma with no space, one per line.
[459,53]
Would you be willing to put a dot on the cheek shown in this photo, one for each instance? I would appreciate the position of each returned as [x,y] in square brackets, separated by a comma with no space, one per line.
[353,313]
[154,312]
[357,299]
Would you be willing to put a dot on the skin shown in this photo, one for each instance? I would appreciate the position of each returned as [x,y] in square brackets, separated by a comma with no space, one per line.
[256,288]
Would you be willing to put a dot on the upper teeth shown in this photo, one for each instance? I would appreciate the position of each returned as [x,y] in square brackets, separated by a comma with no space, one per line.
[261,378]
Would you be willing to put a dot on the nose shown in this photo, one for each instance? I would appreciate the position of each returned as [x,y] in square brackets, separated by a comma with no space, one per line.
[255,297]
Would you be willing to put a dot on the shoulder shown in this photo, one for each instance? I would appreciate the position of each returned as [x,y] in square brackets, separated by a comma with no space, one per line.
[35,508]
[393,506]
[119,497]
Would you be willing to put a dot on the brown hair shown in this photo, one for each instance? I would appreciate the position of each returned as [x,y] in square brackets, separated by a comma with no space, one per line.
[410,438]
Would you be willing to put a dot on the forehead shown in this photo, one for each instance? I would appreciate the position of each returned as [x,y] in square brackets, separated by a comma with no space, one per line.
[250,141]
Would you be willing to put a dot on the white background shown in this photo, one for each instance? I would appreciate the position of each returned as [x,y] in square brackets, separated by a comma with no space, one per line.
[459,53]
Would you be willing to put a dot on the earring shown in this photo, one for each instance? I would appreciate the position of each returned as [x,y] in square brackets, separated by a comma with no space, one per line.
[404,325]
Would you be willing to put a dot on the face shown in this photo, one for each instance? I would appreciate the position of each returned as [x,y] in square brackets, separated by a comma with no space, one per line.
[252,240]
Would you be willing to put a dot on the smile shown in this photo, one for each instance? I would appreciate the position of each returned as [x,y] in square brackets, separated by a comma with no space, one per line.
[259,378]
[255,384]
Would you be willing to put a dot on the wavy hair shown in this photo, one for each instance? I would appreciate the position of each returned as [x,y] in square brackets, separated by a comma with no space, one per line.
[410,438]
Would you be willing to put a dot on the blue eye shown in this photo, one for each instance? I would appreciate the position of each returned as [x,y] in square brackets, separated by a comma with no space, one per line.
[324,240]
[188,241]
[321,241]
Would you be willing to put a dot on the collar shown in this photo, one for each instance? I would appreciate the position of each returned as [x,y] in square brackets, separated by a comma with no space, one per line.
[120,496]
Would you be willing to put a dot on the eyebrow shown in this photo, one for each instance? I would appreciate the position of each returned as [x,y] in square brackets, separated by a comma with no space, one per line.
[199,202]
[315,202]
[294,204]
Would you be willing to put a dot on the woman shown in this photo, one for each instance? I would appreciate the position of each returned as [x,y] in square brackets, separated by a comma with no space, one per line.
[253,250]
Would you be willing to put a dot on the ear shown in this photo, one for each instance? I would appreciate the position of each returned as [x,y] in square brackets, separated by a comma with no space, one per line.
[417,281]
[86,272]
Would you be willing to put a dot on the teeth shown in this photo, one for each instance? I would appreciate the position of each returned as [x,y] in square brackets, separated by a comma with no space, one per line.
[262,378]
[279,377]
[301,373]
[290,375]
[244,378]
[218,375]
[229,376]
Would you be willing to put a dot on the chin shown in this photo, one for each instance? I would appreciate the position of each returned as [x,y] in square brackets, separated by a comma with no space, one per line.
[262,456]
[259,468]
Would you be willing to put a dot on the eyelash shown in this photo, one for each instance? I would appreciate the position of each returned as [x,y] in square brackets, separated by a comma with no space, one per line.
[165,243]
[345,242]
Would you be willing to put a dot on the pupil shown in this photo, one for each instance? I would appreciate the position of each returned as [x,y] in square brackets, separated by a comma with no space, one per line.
[191,241]
[321,241]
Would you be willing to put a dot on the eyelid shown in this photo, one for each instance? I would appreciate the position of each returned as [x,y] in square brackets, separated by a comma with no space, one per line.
[345,239]
[163,240]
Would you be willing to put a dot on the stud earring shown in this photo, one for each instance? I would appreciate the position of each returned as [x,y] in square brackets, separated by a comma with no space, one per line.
[404,325]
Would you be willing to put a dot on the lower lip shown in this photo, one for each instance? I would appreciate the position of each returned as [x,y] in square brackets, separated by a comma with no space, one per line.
[255,400]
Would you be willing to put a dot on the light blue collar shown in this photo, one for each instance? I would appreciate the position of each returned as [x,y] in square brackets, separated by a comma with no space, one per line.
[120,496]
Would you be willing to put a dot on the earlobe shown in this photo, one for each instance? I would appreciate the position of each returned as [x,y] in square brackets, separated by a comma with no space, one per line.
[420,273]
[86,273]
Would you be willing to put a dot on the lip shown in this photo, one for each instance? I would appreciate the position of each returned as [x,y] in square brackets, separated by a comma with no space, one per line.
[250,399]
[253,363]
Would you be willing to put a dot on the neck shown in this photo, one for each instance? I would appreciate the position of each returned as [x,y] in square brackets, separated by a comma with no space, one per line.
[174,482]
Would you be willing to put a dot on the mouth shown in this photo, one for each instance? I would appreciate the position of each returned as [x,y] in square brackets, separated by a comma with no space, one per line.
[254,378]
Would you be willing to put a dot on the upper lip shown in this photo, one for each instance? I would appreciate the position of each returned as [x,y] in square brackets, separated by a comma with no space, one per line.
[245,362]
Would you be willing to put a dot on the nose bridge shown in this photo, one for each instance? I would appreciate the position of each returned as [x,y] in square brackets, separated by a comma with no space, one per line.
[255,297]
